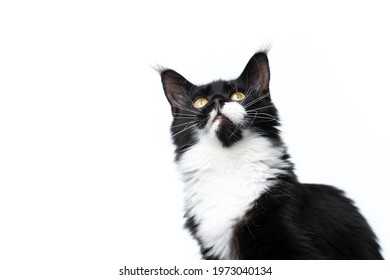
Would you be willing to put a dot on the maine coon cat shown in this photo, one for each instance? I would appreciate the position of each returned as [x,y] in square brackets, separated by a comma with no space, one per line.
[242,197]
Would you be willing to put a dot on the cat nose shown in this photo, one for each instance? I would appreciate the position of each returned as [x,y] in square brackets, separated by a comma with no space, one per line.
[218,101]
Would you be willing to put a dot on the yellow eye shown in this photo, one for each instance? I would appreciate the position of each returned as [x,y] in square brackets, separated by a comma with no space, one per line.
[200,102]
[237,96]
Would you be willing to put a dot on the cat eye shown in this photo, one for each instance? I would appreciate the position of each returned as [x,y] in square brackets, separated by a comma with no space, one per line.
[200,102]
[237,96]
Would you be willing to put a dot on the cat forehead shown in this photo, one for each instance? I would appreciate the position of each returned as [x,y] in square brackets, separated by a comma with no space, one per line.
[217,87]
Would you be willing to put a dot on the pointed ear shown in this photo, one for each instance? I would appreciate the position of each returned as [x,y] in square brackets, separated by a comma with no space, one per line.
[256,73]
[175,88]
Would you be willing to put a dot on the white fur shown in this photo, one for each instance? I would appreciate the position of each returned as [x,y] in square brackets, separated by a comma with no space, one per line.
[234,111]
[222,183]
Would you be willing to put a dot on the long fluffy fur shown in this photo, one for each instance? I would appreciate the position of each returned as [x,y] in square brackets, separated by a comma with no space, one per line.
[243,199]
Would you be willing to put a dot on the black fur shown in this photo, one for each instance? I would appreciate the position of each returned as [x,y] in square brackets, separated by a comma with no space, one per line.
[304,221]
[181,93]
[291,220]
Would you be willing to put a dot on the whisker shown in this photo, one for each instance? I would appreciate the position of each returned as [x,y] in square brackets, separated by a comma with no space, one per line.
[236,128]
[261,114]
[187,94]
[261,108]
[183,114]
[256,100]
[253,119]
[252,88]
[184,129]
[187,123]
[268,118]
[187,118]
[186,109]
[200,124]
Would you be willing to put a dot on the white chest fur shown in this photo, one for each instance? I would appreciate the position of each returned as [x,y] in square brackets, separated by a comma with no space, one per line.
[222,183]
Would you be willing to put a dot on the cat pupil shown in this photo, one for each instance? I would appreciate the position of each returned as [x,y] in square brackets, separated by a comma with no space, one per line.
[237,96]
[200,103]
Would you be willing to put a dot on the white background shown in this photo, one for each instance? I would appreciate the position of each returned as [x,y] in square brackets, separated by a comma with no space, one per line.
[87,182]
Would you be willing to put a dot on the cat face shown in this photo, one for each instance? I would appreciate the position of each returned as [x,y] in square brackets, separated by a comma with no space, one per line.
[221,109]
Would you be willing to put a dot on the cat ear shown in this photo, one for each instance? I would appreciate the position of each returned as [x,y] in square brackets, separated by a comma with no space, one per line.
[175,88]
[256,74]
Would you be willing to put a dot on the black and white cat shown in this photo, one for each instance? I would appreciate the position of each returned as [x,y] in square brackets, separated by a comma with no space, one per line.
[242,198]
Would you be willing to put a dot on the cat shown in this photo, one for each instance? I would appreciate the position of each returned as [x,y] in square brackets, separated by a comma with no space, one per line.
[242,197]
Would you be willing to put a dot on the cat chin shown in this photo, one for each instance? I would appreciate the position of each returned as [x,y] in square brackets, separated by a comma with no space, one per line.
[226,123]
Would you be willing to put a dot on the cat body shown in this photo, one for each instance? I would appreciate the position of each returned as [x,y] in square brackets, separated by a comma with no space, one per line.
[242,197]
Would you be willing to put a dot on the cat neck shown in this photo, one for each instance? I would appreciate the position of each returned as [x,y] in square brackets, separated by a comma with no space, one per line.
[222,184]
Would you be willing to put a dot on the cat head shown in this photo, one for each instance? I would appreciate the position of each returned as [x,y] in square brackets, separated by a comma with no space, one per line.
[222,109]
